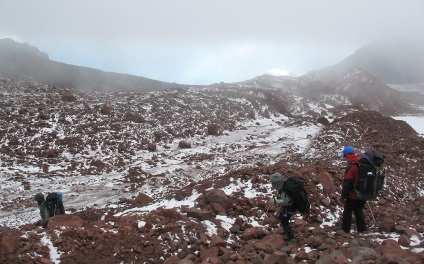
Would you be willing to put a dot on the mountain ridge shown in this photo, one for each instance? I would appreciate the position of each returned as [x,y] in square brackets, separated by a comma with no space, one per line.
[23,60]
[392,61]
[331,85]
[337,86]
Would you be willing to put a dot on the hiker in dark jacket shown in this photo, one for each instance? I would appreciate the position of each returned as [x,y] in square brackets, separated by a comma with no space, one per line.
[41,202]
[283,201]
[56,207]
[349,197]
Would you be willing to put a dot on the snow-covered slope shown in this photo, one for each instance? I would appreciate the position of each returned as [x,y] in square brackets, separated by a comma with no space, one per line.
[177,175]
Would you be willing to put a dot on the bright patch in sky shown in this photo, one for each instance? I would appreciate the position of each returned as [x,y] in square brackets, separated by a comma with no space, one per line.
[279,72]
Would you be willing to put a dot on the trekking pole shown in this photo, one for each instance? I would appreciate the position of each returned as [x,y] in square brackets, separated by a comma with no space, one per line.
[266,213]
[371,213]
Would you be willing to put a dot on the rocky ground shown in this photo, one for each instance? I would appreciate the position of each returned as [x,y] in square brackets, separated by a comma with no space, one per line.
[52,134]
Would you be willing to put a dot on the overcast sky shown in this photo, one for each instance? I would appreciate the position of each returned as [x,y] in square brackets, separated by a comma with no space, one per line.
[204,42]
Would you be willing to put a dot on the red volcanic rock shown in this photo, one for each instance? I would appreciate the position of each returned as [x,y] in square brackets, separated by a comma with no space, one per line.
[67,96]
[411,232]
[142,200]
[219,197]
[184,144]
[387,225]
[270,243]
[213,129]
[208,253]
[323,120]
[404,240]
[14,141]
[315,241]
[327,182]
[171,260]
[172,214]
[254,233]
[122,147]
[105,110]
[43,116]
[200,214]
[393,253]
[97,164]
[151,147]
[218,209]
[67,220]
[11,243]
[51,153]
[23,110]
[136,118]
[276,257]
[217,241]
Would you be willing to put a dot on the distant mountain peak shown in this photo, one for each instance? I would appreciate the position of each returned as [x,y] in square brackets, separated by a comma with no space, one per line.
[9,47]
[392,61]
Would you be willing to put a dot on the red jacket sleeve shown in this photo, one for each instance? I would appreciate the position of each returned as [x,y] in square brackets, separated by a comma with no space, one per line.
[352,173]
[349,179]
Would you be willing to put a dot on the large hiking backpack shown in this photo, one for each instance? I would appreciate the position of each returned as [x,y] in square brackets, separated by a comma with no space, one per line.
[295,188]
[53,204]
[371,178]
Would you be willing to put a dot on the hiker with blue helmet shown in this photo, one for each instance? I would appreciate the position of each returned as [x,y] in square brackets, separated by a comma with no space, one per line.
[284,203]
[349,198]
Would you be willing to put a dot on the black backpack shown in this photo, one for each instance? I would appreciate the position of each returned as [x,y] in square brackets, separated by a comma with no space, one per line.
[54,205]
[371,178]
[295,188]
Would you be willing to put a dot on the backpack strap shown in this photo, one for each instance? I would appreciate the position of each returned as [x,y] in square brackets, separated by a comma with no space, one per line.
[350,165]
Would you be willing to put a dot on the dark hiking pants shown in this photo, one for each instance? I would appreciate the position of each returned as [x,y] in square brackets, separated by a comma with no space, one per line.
[356,207]
[285,216]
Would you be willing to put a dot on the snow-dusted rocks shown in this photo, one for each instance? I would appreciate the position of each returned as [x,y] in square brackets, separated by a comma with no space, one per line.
[205,204]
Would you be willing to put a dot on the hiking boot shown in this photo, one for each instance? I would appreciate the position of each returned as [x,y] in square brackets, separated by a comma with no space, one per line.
[363,233]
[288,233]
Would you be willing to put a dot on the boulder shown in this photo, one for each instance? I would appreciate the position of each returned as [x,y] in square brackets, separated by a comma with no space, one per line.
[67,220]
[219,197]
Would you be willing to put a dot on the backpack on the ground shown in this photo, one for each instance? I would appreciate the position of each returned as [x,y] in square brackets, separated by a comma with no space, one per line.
[54,205]
[371,178]
[295,188]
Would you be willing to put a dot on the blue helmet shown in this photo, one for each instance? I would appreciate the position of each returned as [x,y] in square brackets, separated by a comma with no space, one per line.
[348,150]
